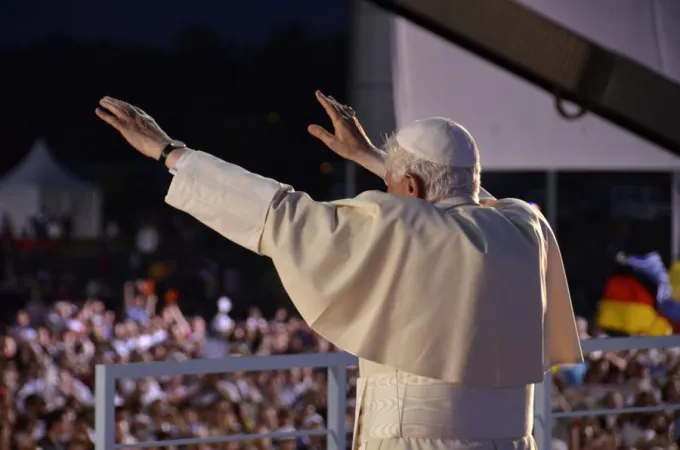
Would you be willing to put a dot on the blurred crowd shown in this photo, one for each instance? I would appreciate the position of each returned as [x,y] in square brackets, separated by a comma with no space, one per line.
[610,380]
[48,361]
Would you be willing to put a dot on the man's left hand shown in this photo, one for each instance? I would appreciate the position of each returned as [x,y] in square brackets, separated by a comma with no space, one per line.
[136,126]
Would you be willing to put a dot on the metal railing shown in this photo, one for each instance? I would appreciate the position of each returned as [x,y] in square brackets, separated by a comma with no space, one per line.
[544,415]
[337,364]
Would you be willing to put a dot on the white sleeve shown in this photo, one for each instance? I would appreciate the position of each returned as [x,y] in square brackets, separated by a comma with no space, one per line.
[223,196]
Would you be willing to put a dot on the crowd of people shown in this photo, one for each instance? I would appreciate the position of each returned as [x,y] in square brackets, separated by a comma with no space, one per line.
[48,376]
[47,386]
[612,380]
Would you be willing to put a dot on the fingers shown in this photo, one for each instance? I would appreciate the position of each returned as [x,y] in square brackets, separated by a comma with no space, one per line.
[348,112]
[345,110]
[330,107]
[321,134]
[124,106]
[114,107]
[119,108]
[109,118]
[336,110]
[117,113]
[140,111]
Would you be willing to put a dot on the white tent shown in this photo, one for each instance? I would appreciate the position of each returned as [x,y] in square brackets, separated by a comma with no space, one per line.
[39,183]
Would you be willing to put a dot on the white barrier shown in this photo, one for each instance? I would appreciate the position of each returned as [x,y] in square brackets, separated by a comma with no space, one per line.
[337,364]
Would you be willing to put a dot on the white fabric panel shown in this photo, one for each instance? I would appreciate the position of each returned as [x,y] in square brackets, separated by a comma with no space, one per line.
[516,124]
[83,206]
[21,203]
[87,214]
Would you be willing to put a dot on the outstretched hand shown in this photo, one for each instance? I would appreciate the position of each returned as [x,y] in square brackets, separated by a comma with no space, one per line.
[348,138]
[137,127]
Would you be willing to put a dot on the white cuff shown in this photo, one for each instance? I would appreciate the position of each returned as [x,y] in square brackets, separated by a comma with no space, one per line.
[181,162]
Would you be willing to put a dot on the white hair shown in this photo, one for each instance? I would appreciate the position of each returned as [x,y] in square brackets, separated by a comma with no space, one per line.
[440,181]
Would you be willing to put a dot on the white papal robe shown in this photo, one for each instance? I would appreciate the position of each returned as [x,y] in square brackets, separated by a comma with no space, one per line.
[455,310]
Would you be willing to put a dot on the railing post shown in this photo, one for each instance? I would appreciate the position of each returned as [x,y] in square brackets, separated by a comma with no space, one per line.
[337,408]
[543,413]
[105,409]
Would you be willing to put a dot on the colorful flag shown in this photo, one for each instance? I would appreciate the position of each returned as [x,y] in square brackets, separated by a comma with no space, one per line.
[631,296]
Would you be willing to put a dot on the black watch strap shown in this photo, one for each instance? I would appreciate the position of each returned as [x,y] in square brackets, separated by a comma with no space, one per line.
[169,148]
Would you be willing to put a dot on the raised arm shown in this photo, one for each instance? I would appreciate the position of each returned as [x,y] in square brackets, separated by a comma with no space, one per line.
[224,196]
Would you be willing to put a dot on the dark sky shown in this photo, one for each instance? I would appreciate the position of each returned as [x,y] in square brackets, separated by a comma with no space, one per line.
[155,21]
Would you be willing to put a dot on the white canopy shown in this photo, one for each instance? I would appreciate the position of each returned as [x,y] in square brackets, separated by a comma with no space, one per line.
[40,183]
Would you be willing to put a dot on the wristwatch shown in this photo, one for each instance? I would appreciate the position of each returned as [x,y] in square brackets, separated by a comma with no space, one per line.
[169,148]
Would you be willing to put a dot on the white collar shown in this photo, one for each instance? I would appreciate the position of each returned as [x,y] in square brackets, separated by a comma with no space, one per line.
[452,202]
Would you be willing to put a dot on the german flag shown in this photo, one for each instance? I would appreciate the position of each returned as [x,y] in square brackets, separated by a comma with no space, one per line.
[629,304]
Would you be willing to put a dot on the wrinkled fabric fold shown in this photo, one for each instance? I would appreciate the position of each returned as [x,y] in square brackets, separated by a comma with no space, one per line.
[470,295]
[526,443]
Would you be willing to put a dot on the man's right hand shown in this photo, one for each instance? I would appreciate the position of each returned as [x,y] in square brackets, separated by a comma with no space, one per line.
[348,138]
